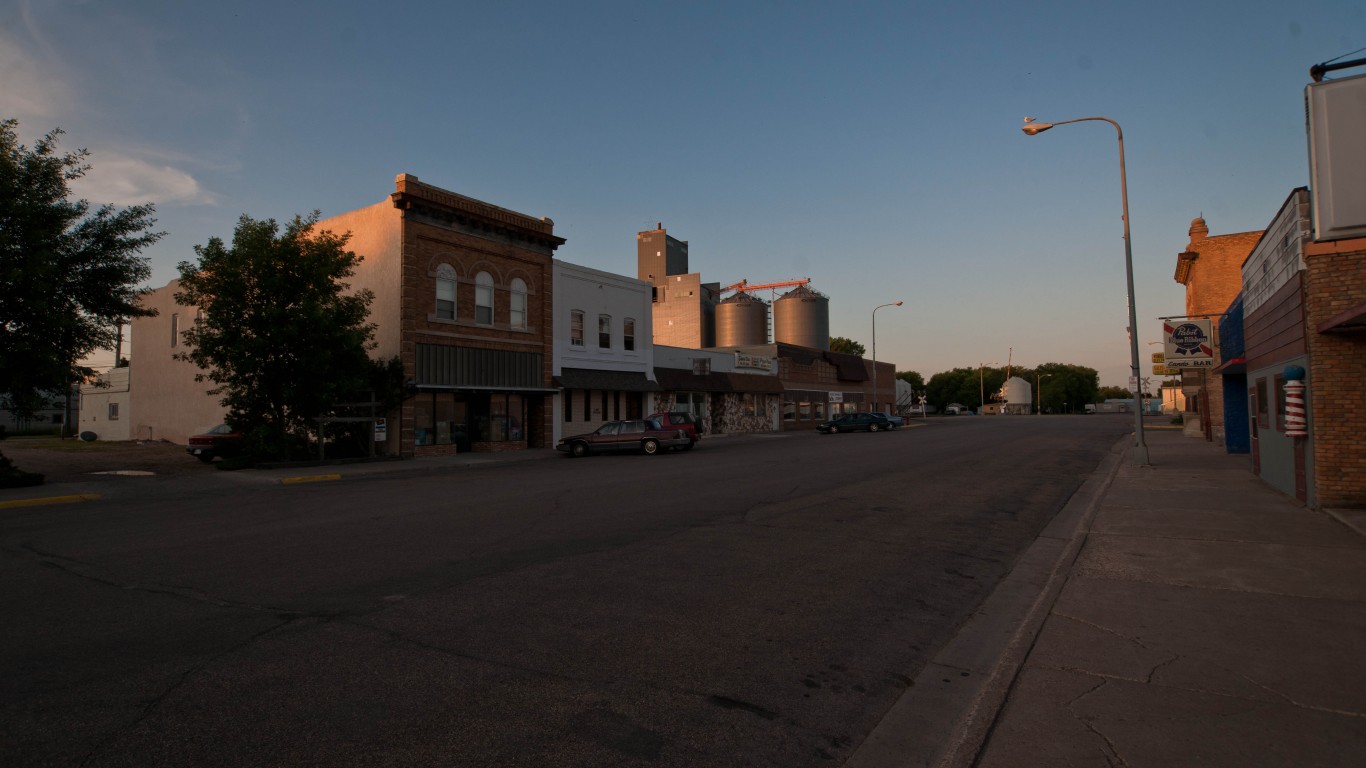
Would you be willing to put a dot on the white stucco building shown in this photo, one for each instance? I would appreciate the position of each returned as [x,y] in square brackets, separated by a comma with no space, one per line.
[603,348]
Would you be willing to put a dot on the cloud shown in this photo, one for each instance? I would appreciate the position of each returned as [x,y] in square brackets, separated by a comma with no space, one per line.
[123,180]
[32,87]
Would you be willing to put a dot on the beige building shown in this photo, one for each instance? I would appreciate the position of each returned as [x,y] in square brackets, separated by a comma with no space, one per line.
[684,307]
[463,295]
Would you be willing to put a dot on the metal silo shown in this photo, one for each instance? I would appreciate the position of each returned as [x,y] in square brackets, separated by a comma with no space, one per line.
[802,317]
[741,320]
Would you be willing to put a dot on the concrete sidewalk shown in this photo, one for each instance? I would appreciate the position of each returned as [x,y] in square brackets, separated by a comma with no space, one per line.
[1207,620]
[1172,615]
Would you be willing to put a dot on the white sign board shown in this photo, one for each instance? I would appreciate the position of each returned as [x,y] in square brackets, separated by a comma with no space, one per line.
[1189,343]
[381,431]
[1336,110]
[836,397]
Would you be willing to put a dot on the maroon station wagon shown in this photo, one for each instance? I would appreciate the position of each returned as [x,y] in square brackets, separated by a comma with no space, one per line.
[641,435]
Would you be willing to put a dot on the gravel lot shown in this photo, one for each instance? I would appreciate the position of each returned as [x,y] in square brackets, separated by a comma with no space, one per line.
[71,459]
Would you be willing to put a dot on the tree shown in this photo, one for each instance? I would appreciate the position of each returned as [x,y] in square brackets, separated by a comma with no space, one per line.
[281,336]
[68,277]
[1114,393]
[913,378]
[846,346]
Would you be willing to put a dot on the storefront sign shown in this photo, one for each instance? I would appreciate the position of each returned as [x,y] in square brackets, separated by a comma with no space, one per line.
[381,431]
[1189,344]
[836,397]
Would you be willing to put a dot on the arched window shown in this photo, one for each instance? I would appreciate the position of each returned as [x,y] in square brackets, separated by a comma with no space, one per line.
[517,303]
[483,298]
[445,292]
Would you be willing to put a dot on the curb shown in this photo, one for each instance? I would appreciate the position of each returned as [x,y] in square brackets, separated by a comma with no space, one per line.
[48,500]
[945,717]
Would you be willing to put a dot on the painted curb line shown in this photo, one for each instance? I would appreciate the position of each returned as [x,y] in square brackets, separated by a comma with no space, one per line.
[48,500]
[308,479]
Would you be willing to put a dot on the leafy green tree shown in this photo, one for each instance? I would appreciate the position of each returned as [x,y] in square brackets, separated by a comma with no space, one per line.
[1068,387]
[281,336]
[846,346]
[913,378]
[1115,393]
[68,277]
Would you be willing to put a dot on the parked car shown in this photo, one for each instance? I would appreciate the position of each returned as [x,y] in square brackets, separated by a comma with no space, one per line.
[644,435]
[892,418]
[953,409]
[855,422]
[219,441]
[679,420]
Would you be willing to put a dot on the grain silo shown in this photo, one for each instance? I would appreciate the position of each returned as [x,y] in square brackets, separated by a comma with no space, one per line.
[802,317]
[741,320]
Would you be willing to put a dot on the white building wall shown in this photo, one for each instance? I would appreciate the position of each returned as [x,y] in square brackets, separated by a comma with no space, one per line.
[166,402]
[597,293]
[1278,255]
[107,407]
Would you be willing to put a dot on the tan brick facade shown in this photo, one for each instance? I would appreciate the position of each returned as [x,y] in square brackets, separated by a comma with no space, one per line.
[1211,270]
[1335,329]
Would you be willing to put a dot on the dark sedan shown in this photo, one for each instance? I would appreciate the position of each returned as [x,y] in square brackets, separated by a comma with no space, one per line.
[855,422]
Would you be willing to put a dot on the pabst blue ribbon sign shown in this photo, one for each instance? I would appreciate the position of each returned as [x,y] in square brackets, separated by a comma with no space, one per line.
[1189,344]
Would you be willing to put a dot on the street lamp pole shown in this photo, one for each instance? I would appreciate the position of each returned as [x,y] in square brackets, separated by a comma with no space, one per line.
[1038,392]
[982,387]
[1033,128]
[875,309]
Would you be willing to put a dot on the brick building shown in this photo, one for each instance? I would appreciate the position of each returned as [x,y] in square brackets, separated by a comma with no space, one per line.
[1211,270]
[1335,321]
[463,296]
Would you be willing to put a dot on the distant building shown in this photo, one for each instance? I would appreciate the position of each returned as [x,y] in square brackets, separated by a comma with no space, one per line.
[683,307]
[1211,270]
[106,406]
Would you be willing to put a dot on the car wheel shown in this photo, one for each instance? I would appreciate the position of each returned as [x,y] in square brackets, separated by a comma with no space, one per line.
[688,447]
[873,427]
[578,450]
[834,429]
[207,458]
[650,447]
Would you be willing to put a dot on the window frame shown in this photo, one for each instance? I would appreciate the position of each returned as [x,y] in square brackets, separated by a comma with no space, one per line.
[576,328]
[445,283]
[604,336]
[628,334]
[517,304]
[483,299]
[1263,419]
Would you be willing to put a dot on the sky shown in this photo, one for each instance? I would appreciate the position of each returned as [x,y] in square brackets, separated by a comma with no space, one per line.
[874,148]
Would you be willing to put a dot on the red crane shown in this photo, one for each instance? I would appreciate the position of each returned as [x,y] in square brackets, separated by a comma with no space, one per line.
[745,287]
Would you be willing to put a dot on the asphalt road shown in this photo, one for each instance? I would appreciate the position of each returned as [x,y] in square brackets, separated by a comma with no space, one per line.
[762,600]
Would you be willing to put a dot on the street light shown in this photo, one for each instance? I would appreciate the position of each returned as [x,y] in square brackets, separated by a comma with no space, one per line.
[1033,128]
[875,309]
[982,387]
[1038,392]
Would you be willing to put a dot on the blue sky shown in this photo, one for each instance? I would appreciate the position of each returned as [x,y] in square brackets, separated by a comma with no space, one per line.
[874,148]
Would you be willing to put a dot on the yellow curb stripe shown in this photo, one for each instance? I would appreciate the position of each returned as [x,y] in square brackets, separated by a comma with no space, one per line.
[45,501]
[308,479]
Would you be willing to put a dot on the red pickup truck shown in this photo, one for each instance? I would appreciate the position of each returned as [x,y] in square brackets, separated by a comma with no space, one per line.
[679,420]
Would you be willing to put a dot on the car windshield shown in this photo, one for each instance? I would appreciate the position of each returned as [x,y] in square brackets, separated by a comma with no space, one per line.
[221,429]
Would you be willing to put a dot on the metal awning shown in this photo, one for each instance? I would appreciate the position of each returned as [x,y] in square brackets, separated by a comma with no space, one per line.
[1351,321]
[611,381]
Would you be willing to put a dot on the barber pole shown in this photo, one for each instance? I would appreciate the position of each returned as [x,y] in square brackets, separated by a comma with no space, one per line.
[1295,423]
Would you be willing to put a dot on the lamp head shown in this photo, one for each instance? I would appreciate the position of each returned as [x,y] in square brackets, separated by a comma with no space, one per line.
[1032,128]
[898,304]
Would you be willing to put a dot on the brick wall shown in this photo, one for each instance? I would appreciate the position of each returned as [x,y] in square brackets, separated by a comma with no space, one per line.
[1211,270]
[1335,282]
